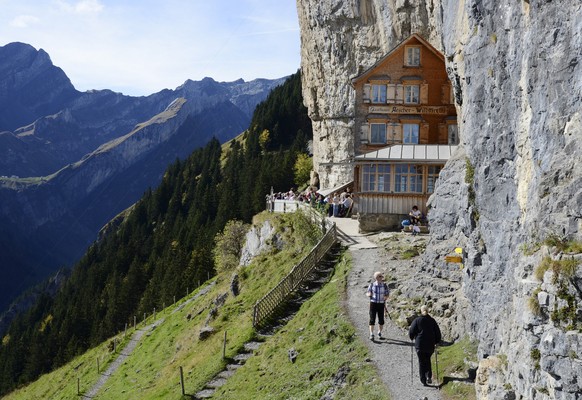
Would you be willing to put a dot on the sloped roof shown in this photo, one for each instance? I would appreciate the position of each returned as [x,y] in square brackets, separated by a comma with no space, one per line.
[391,52]
[326,191]
[424,153]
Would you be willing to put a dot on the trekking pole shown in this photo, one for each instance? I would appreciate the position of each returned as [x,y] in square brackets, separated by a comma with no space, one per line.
[411,362]
[436,359]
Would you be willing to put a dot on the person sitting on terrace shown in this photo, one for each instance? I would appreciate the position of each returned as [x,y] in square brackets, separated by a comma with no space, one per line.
[336,204]
[414,217]
[347,206]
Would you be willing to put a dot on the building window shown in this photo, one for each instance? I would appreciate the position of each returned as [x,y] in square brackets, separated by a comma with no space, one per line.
[378,93]
[376,178]
[410,133]
[453,133]
[408,178]
[433,174]
[412,56]
[369,178]
[378,133]
[412,94]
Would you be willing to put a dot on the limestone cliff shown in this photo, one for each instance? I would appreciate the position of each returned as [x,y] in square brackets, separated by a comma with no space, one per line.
[511,196]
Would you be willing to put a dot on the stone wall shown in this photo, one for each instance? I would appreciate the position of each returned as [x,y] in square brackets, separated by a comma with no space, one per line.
[516,68]
[380,222]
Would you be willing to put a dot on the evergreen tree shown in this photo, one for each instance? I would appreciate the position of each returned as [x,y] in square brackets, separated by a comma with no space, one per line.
[164,245]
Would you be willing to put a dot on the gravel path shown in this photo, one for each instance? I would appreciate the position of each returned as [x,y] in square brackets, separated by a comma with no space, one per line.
[392,355]
[133,342]
[126,352]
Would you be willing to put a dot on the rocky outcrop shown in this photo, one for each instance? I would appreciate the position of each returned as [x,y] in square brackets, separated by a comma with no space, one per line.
[513,190]
[259,239]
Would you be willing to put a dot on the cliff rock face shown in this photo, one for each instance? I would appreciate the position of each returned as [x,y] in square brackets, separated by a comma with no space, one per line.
[511,196]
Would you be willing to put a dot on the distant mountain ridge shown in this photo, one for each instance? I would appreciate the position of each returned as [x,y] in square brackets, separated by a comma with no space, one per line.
[86,156]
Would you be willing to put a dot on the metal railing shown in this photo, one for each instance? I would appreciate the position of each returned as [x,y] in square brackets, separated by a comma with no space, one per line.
[266,306]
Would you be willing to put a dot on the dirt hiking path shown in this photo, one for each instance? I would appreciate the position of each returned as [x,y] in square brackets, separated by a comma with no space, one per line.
[394,354]
[126,352]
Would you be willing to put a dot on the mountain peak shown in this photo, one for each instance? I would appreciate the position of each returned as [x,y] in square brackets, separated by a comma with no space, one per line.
[30,85]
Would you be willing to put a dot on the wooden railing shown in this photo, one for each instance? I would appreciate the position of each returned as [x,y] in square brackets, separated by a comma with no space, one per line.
[265,307]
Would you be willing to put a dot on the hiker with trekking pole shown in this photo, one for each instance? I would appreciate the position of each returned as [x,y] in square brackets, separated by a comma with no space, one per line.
[426,335]
[378,294]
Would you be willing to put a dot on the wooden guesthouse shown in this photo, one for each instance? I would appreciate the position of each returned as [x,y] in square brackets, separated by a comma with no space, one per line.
[406,126]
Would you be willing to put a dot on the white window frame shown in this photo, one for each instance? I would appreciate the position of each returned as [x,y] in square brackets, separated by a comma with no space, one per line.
[378,94]
[410,133]
[377,125]
[369,177]
[412,56]
[411,94]
[408,178]
[376,178]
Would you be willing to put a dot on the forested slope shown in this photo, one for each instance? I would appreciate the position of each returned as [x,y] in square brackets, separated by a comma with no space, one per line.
[162,247]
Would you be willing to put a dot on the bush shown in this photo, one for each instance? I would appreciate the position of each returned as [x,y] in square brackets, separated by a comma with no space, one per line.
[229,245]
[302,168]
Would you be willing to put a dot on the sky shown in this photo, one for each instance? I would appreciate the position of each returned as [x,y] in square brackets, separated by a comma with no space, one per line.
[139,47]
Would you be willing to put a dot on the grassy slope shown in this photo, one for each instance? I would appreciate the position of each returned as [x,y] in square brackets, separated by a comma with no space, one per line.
[325,341]
[320,333]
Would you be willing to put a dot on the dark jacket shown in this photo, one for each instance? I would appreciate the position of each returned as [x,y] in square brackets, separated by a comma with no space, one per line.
[425,332]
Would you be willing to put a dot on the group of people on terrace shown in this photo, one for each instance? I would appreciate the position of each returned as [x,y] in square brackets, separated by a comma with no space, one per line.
[335,204]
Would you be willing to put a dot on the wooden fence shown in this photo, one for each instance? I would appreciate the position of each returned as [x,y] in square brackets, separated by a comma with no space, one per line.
[265,307]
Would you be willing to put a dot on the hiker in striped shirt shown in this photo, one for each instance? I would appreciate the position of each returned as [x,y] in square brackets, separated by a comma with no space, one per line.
[378,294]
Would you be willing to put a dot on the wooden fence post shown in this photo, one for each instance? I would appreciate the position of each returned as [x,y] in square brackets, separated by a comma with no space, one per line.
[98,369]
[182,381]
[134,318]
[224,347]
[78,386]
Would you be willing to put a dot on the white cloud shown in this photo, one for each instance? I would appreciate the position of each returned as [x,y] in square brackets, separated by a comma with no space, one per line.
[23,21]
[81,7]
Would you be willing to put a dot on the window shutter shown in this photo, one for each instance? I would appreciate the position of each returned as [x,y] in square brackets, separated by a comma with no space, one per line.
[391,93]
[367,90]
[423,139]
[399,96]
[443,133]
[364,133]
[446,94]
[394,133]
[424,93]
